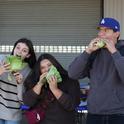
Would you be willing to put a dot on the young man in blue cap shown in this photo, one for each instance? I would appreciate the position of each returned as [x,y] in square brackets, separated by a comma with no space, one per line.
[103,63]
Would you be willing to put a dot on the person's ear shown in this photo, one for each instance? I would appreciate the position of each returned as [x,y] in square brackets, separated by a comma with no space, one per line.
[117,34]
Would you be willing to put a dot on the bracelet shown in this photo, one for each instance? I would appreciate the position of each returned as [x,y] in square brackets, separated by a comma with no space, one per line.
[39,83]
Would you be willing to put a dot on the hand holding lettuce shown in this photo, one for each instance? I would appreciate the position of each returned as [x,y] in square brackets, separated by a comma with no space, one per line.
[42,79]
[101,43]
[54,72]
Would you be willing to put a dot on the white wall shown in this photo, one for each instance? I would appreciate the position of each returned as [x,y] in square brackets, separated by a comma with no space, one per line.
[115,9]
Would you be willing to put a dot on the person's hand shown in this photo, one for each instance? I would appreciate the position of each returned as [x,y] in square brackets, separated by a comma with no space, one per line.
[42,79]
[110,45]
[92,46]
[4,68]
[54,88]
[18,77]
[53,83]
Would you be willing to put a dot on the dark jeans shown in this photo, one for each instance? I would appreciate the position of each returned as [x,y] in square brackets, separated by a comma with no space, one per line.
[105,119]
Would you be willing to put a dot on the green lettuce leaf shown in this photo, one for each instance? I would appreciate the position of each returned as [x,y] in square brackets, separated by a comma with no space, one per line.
[54,72]
[101,43]
[15,62]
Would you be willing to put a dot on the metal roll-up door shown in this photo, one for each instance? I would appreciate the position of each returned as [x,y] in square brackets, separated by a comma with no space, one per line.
[50,22]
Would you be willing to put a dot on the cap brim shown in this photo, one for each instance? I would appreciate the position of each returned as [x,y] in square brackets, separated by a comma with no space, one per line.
[107,27]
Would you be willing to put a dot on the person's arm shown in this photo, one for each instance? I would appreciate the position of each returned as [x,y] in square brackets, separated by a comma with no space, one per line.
[31,96]
[54,87]
[79,67]
[69,96]
[70,100]
[119,63]
[117,57]
[21,76]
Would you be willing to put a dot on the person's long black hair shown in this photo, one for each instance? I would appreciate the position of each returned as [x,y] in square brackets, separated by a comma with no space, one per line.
[34,76]
[32,59]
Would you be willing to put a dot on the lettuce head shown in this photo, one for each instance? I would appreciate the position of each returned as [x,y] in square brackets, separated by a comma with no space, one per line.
[54,72]
[101,43]
[15,62]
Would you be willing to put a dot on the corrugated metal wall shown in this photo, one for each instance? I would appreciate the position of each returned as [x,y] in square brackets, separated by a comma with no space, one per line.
[58,22]
[115,8]
[50,22]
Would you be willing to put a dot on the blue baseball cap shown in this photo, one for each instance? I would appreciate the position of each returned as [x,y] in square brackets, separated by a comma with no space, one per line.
[110,23]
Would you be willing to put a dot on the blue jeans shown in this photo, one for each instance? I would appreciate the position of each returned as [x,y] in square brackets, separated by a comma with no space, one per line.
[105,119]
[9,122]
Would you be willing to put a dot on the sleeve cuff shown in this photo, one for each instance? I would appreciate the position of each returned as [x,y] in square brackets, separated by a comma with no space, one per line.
[116,55]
